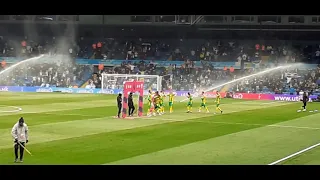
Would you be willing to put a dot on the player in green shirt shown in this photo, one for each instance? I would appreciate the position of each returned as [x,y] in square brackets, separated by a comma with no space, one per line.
[162,97]
[150,103]
[203,102]
[189,105]
[218,98]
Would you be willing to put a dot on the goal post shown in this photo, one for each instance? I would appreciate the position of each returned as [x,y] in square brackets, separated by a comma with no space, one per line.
[116,81]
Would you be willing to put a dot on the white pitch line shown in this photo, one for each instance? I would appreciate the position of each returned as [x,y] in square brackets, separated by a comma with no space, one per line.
[58,110]
[294,154]
[62,114]
[297,127]
[16,109]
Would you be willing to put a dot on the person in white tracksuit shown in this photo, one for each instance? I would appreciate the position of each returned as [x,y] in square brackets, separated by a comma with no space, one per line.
[20,135]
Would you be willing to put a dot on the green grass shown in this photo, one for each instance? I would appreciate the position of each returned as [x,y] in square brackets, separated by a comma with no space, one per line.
[81,129]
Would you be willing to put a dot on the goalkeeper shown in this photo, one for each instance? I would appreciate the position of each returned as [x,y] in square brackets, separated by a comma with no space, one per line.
[203,103]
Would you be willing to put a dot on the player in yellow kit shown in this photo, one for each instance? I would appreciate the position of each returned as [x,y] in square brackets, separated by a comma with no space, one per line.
[150,104]
[171,97]
[203,102]
[157,101]
[189,105]
[218,98]
[162,97]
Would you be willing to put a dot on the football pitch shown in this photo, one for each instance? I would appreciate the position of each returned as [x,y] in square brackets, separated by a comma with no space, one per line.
[81,129]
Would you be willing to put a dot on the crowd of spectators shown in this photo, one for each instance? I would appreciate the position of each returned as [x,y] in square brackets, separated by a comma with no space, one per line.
[289,81]
[164,49]
[49,71]
[186,77]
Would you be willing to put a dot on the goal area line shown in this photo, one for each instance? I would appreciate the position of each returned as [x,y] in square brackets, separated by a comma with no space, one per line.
[294,154]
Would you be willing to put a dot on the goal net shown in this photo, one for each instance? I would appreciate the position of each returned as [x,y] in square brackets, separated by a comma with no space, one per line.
[116,81]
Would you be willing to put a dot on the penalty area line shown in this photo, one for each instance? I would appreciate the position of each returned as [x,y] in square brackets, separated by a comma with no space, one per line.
[16,109]
[294,154]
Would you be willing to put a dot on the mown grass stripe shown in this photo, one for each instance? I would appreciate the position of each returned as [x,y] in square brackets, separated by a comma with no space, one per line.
[84,113]
[59,107]
[104,110]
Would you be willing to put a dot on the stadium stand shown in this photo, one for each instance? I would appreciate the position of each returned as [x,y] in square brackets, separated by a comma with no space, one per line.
[149,50]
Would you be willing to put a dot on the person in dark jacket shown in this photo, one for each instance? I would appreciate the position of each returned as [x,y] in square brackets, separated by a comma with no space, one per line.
[131,104]
[305,99]
[119,102]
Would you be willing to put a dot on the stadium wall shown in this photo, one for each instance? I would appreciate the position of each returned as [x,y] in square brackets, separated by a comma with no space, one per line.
[248,96]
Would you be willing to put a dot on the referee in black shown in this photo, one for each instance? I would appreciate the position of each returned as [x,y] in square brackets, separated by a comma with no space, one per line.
[119,101]
[305,99]
[131,104]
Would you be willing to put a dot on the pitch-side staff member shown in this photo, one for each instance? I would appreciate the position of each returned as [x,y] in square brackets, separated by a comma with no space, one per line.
[305,100]
[119,101]
[131,104]
[20,135]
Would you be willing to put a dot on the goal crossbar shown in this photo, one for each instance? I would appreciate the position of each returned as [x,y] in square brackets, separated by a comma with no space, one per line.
[132,75]
[110,77]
